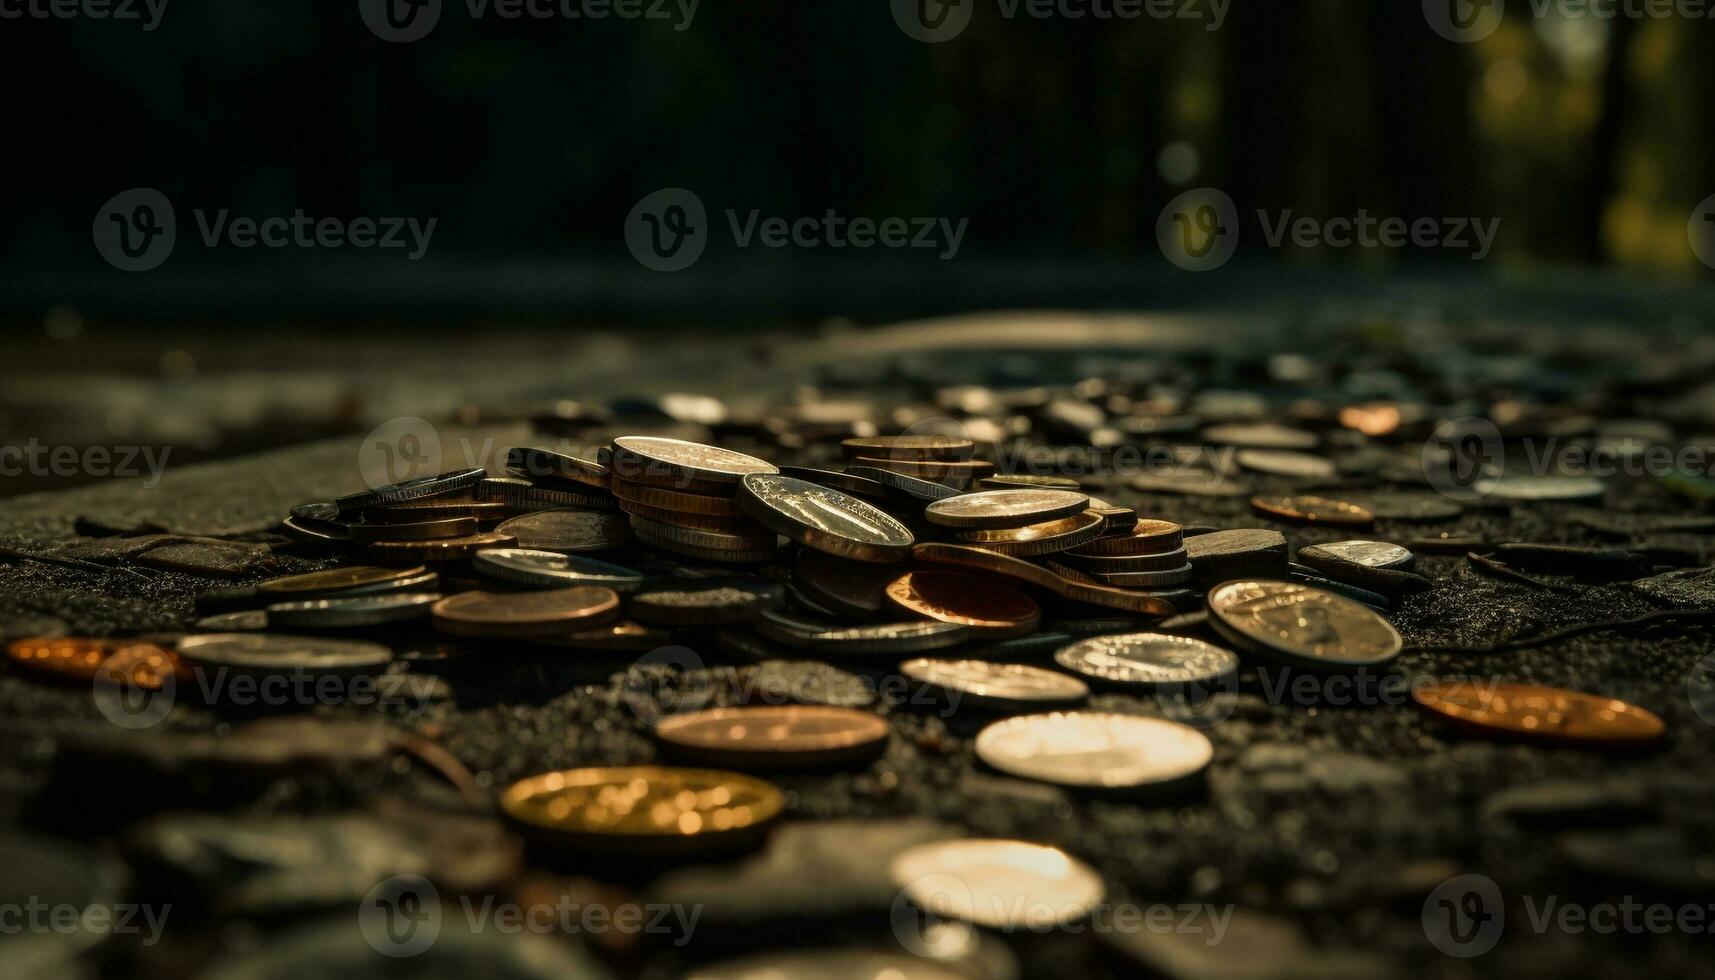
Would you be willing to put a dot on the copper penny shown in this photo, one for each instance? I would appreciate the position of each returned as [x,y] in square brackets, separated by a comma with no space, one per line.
[145,666]
[1312,510]
[68,658]
[648,810]
[776,736]
[1039,539]
[525,614]
[988,607]
[1547,714]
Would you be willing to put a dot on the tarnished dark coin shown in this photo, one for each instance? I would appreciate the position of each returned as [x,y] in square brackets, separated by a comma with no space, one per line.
[413,511]
[775,737]
[824,519]
[1000,509]
[1117,519]
[1544,714]
[1302,626]
[923,490]
[309,529]
[857,486]
[850,588]
[997,686]
[1112,564]
[991,609]
[1312,510]
[677,463]
[453,483]
[891,639]
[532,462]
[679,542]
[1096,750]
[909,447]
[316,511]
[1148,659]
[243,621]
[355,580]
[761,539]
[551,569]
[959,473]
[1370,554]
[737,524]
[1009,481]
[983,559]
[704,602]
[273,653]
[525,614]
[1156,579]
[440,549]
[646,810]
[1039,539]
[522,495]
[567,530]
[445,527]
[353,611]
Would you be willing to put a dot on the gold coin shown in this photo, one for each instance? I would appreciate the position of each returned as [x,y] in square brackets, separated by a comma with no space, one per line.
[677,463]
[1312,510]
[1147,537]
[555,612]
[1303,626]
[353,579]
[776,736]
[991,608]
[676,501]
[949,448]
[1039,539]
[145,666]
[441,549]
[990,509]
[644,810]
[1547,714]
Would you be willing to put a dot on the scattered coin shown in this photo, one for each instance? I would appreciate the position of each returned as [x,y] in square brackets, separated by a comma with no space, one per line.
[534,463]
[525,614]
[824,519]
[1148,658]
[76,659]
[1097,750]
[567,530]
[888,638]
[1302,626]
[1238,553]
[1262,435]
[1281,462]
[1190,484]
[445,527]
[440,549]
[644,810]
[997,686]
[275,653]
[704,602]
[352,612]
[923,490]
[909,447]
[1039,539]
[1001,884]
[1312,510]
[991,609]
[1146,537]
[352,580]
[1410,506]
[1529,486]
[1001,509]
[1545,714]
[675,501]
[242,621]
[983,559]
[776,737]
[413,511]
[681,464]
[1369,554]
[550,569]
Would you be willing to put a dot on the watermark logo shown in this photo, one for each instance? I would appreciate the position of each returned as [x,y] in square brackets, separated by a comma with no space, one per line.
[933,21]
[149,12]
[917,926]
[36,916]
[1199,230]
[1700,687]
[1464,21]
[401,916]
[666,680]
[36,460]
[405,448]
[1701,231]
[668,230]
[400,21]
[1464,916]
[136,229]
[131,705]
[1464,457]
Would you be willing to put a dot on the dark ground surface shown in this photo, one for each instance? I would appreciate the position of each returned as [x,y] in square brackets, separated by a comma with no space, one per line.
[1336,820]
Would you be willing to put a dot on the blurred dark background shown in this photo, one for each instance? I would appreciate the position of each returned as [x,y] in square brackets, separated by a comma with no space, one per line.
[1060,140]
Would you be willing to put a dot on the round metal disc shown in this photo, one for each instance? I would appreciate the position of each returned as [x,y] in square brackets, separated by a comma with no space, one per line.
[1302,626]
[550,568]
[1006,508]
[999,687]
[1002,884]
[1147,658]
[1097,750]
[274,652]
[824,519]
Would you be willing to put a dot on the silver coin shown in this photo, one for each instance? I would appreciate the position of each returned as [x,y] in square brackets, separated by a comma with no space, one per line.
[1282,462]
[422,488]
[1371,554]
[1097,750]
[635,456]
[275,652]
[1002,884]
[908,485]
[243,621]
[1147,580]
[890,638]
[823,518]
[1006,508]
[355,611]
[1259,435]
[567,530]
[551,569]
[1302,626]
[1005,687]
[1148,658]
[1532,487]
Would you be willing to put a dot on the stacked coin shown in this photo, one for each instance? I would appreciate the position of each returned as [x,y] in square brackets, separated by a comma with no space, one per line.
[1150,555]
[680,497]
[944,460]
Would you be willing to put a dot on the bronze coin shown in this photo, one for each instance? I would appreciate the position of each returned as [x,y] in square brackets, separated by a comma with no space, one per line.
[983,559]
[1039,539]
[352,580]
[1001,509]
[440,549]
[988,607]
[676,501]
[146,666]
[1312,510]
[443,527]
[776,736]
[1147,537]
[1545,714]
[82,660]
[647,810]
[556,612]
[948,448]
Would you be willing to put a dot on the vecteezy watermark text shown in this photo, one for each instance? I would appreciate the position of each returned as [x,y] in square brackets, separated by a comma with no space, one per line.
[404,21]
[148,12]
[1466,916]
[35,916]
[934,21]
[36,460]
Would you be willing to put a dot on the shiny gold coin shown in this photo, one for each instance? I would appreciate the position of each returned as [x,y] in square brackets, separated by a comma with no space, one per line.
[776,737]
[1147,537]
[950,448]
[1312,510]
[530,615]
[1039,539]
[990,608]
[676,501]
[1545,714]
[647,811]
[356,579]
[1301,626]
[440,549]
